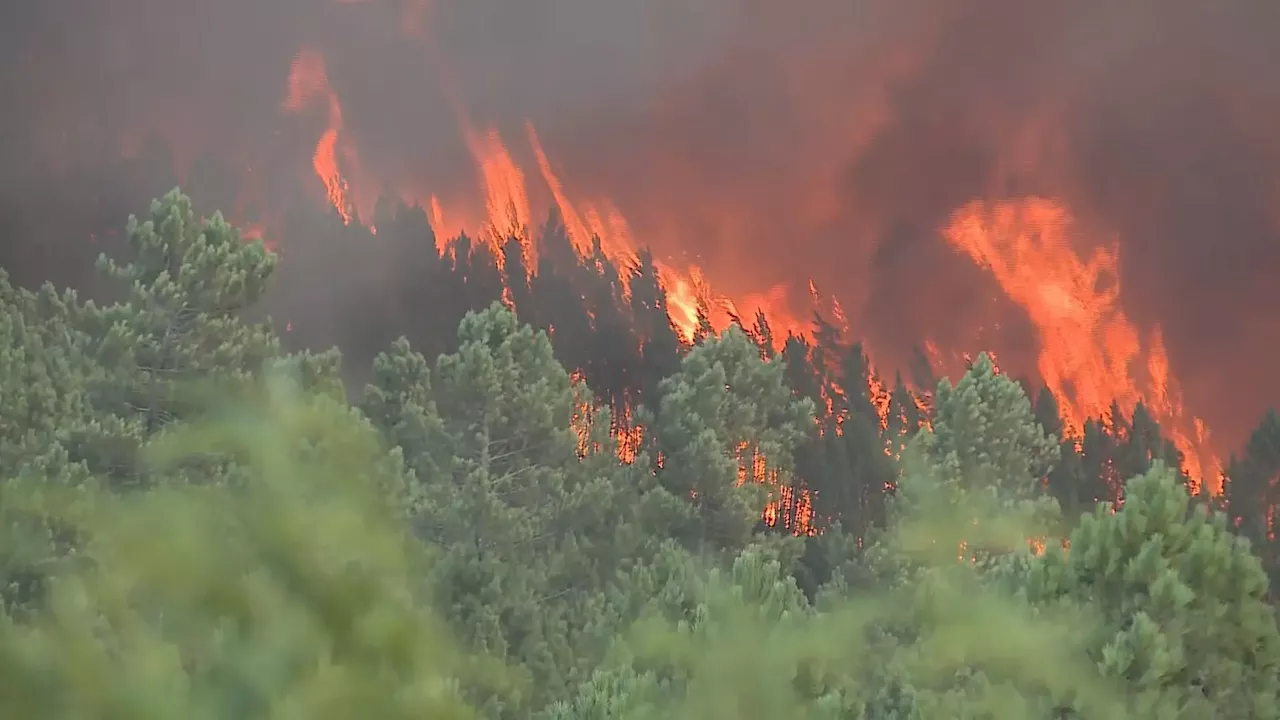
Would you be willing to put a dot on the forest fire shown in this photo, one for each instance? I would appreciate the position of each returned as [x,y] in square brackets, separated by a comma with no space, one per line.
[1089,349]
[507,210]
[944,198]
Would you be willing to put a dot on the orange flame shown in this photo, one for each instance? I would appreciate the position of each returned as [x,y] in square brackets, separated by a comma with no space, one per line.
[1091,354]
[794,509]
[506,199]
[309,82]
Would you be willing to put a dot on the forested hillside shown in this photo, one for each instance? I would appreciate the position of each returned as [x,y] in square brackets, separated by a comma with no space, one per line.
[545,503]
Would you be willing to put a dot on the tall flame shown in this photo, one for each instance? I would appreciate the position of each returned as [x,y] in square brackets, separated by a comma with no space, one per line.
[508,211]
[506,198]
[1091,354]
[308,83]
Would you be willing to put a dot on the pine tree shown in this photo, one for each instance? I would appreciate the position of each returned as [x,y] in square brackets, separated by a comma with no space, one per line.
[1186,626]
[985,436]
[763,334]
[533,531]
[704,330]
[41,371]
[659,343]
[1075,492]
[1252,489]
[186,286]
[1097,449]
[477,268]
[981,465]
[515,275]
[904,418]
[719,410]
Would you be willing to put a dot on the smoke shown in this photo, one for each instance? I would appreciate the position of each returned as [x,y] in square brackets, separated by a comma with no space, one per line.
[770,142]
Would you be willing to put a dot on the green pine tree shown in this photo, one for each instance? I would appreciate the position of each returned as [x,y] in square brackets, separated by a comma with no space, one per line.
[1186,626]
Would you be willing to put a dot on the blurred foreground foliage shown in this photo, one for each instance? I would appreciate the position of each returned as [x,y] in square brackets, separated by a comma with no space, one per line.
[294,587]
[288,589]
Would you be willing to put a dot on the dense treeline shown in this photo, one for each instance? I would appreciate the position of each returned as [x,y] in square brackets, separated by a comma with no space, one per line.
[544,504]
[611,325]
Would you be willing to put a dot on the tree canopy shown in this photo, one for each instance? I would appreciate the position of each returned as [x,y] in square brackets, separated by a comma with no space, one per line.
[545,503]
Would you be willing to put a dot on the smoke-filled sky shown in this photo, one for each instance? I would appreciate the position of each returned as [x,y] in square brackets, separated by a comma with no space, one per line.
[773,142]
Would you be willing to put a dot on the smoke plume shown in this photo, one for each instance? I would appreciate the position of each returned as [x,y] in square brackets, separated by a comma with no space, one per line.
[771,143]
